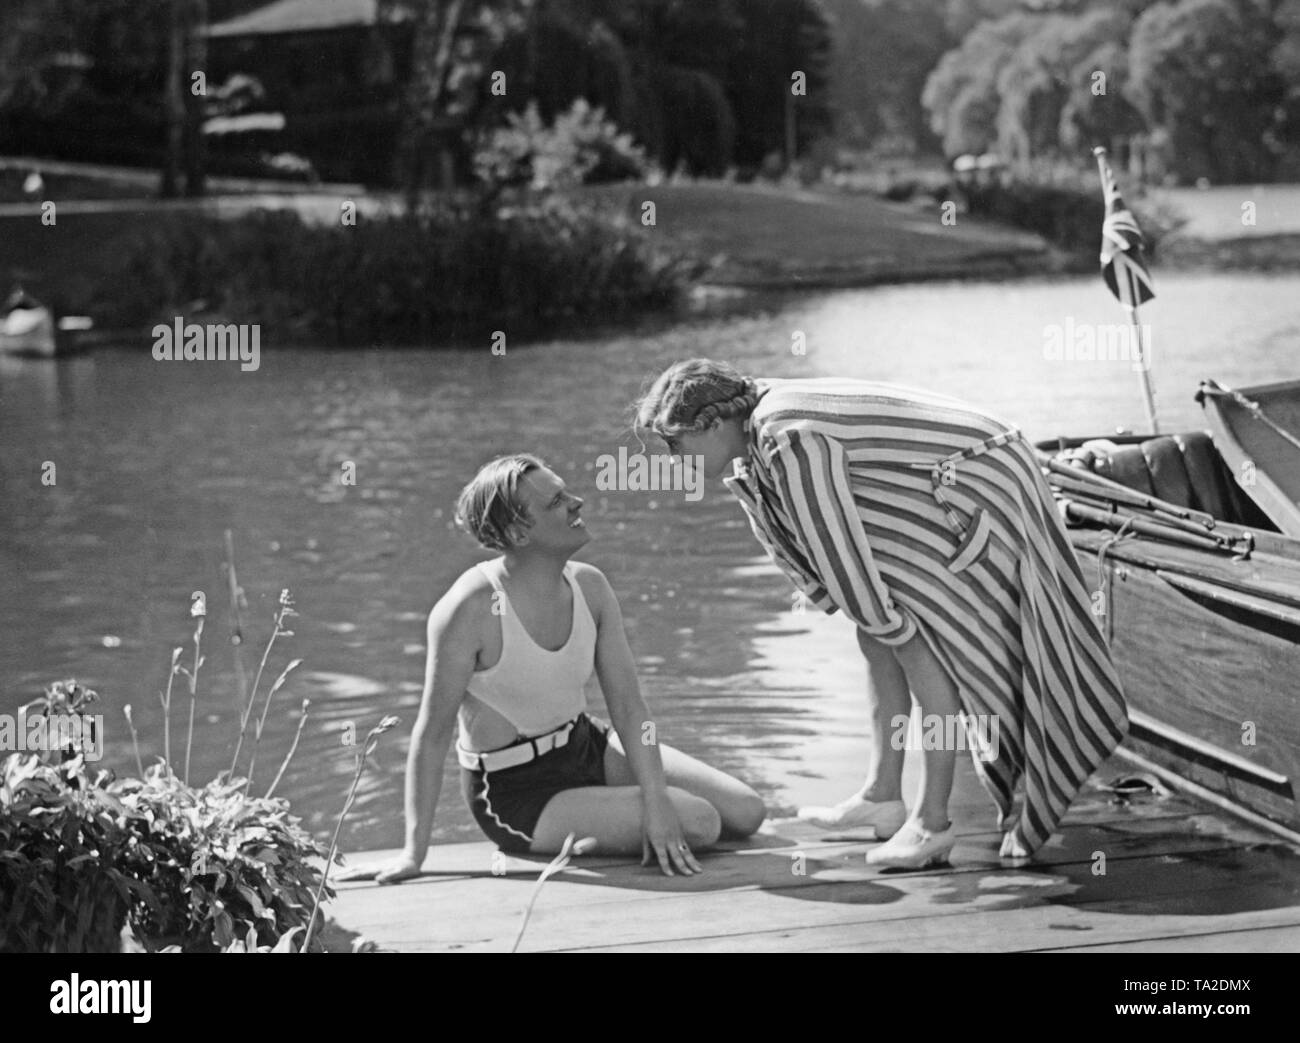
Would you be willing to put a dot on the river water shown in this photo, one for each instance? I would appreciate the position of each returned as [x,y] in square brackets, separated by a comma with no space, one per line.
[155,460]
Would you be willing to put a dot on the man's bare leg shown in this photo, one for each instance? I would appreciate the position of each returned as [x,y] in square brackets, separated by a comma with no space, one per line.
[740,808]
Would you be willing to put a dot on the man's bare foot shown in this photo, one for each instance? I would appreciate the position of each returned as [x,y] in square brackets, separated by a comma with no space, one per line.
[403,868]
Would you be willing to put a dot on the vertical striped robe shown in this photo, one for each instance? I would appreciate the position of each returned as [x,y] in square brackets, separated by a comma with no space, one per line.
[912,512]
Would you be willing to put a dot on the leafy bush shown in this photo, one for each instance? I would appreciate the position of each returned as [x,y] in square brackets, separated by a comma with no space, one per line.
[197,867]
[1066,216]
[394,278]
[189,868]
[220,864]
[529,153]
[61,841]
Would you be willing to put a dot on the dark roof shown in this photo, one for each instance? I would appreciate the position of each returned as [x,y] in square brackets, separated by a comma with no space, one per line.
[300,16]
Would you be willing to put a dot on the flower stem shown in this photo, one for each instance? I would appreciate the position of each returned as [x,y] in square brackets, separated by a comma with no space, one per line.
[557,863]
[302,720]
[167,713]
[135,740]
[194,684]
[236,625]
[257,680]
[372,740]
[261,722]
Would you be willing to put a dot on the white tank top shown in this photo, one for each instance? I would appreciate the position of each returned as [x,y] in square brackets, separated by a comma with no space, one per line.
[536,690]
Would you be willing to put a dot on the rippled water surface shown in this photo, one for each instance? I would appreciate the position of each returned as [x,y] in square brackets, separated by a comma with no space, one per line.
[155,460]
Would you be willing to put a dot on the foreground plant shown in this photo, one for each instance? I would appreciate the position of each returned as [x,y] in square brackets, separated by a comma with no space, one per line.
[367,748]
[286,611]
[222,865]
[567,850]
[198,612]
[186,868]
[61,845]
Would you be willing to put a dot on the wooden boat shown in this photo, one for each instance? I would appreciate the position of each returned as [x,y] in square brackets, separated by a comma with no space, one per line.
[1192,544]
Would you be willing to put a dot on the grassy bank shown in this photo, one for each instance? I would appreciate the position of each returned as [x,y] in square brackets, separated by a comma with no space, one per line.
[1255,253]
[599,253]
[777,236]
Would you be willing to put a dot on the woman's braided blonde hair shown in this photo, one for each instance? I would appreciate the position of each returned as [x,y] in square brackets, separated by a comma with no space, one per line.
[692,396]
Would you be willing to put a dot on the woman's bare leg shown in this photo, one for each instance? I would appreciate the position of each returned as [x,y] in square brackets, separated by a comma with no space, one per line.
[937,694]
[879,802]
[887,698]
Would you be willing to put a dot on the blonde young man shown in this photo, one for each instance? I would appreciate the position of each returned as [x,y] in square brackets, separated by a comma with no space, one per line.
[510,648]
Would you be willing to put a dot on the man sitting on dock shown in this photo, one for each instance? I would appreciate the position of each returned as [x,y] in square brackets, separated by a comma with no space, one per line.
[511,647]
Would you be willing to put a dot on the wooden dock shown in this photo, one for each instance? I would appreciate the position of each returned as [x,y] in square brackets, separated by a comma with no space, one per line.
[1147,872]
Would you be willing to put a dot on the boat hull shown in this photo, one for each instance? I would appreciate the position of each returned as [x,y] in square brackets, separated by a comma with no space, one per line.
[1208,651]
[1257,432]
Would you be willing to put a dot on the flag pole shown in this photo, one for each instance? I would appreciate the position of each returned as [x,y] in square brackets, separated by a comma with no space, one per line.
[1130,300]
[1144,369]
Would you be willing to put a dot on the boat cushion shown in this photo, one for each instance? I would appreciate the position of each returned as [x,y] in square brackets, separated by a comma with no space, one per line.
[1205,472]
[1126,464]
[1169,478]
[1183,469]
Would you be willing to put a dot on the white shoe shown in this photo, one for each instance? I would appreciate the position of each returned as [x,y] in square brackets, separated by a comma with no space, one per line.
[885,816]
[913,848]
[1013,848]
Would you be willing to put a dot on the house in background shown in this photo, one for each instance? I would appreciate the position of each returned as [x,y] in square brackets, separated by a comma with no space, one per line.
[336,70]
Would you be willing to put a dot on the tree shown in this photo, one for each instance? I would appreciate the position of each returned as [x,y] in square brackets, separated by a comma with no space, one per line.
[1200,70]
[1286,64]
[697,131]
[961,16]
[780,38]
[695,80]
[1090,118]
[883,51]
[87,79]
[1047,71]
[679,55]
[437,25]
[962,94]
[552,62]
[31,33]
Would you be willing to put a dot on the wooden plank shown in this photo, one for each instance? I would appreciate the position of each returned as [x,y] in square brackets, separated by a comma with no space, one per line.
[1029,929]
[1092,808]
[1258,939]
[772,867]
[1154,845]
[574,914]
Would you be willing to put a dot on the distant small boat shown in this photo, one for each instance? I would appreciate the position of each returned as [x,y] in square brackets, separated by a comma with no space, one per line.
[29,329]
[1193,543]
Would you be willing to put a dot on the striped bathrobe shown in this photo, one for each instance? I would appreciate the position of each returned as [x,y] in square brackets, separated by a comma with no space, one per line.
[914,513]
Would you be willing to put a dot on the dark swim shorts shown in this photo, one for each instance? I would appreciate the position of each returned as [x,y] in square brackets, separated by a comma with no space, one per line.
[507,803]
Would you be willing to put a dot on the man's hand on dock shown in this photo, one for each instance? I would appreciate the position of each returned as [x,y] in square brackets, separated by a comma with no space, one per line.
[403,868]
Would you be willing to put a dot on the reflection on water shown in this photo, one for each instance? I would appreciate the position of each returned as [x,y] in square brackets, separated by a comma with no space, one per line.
[155,460]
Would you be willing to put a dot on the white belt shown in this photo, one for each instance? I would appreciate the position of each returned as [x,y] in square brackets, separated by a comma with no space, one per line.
[517,753]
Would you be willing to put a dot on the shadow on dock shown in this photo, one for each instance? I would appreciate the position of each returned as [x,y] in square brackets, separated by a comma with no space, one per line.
[1151,872]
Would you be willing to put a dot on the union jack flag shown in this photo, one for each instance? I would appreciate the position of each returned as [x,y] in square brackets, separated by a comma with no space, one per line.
[1123,266]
